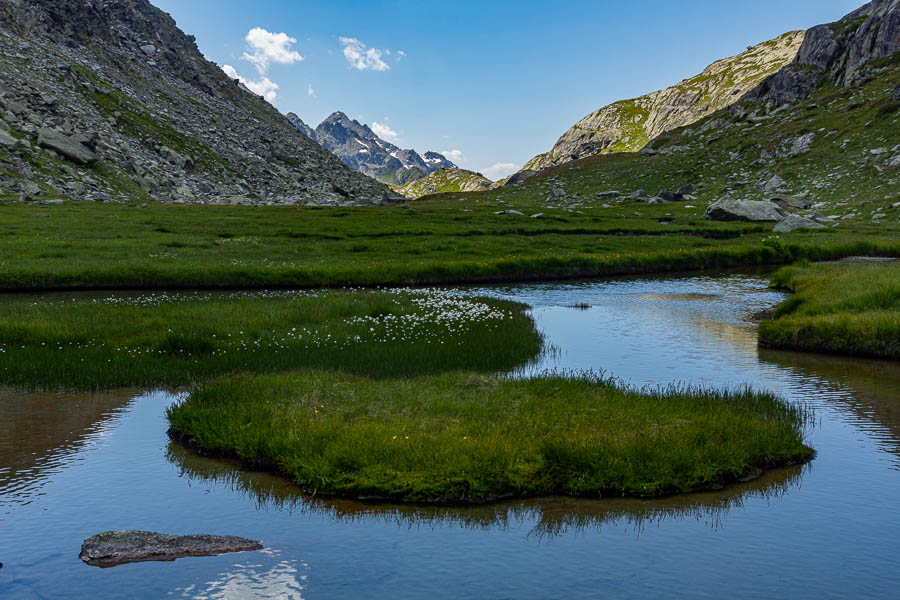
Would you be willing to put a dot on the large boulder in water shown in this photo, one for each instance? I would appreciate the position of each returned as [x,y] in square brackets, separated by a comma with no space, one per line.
[119,547]
[731,209]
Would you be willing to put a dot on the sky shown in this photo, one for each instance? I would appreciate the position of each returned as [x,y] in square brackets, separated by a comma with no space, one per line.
[489,84]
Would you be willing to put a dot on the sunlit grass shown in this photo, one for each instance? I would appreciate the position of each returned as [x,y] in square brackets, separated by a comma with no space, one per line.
[838,308]
[463,437]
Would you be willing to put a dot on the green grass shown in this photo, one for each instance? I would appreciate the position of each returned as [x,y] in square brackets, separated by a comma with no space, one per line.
[170,339]
[837,308]
[106,246]
[457,238]
[466,438]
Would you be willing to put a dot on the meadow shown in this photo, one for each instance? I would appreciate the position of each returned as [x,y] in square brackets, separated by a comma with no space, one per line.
[849,309]
[442,240]
[179,339]
[461,437]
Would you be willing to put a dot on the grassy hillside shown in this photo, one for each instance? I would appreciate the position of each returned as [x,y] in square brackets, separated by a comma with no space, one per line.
[446,181]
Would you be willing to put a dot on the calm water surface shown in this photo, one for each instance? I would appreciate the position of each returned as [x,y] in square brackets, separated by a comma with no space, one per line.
[72,467]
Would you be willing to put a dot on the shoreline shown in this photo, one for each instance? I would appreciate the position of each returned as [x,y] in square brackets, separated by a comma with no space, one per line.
[187,441]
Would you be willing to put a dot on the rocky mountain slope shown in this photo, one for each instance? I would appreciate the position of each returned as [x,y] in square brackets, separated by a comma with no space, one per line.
[361,149]
[445,181]
[816,144]
[628,125]
[836,53]
[108,100]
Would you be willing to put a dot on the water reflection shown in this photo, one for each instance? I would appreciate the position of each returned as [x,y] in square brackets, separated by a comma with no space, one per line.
[548,517]
[285,580]
[43,432]
[866,391]
[73,466]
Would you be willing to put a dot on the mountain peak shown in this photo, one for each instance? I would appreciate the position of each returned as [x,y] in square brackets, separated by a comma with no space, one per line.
[116,83]
[360,148]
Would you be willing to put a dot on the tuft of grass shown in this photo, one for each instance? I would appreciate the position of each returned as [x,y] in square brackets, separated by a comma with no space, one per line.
[461,437]
[837,308]
[179,339]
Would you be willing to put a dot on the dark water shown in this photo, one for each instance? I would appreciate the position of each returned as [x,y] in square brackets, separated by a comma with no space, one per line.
[70,468]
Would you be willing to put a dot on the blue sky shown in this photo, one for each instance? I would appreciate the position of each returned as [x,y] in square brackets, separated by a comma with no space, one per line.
[498,82]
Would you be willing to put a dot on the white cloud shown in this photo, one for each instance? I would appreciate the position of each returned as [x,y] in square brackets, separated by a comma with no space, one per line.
[264,87]
[454,156]
[265,47]
[500,170]
[384,132]
[401,54]
[310,91]
[363,58]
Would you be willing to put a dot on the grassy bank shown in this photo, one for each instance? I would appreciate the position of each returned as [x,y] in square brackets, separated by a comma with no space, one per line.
[175,339]
[462,437]
[837,308]
[98,246]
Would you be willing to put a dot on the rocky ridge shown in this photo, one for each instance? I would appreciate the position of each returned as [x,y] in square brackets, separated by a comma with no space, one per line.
[445,181]
[628,125]
[361,149]
[108,100]
[837,53]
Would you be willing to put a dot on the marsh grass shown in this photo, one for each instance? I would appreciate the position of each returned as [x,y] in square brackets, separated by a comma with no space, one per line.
[179,339]
[837,308]
[462,437]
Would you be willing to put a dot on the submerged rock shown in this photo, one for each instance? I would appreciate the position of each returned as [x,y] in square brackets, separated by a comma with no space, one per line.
[731,209]
[117,547]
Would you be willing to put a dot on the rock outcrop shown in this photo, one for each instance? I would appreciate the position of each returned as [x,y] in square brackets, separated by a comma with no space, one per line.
[110,101]
[792,222]
[732,209]
[837,52]
[628,125]
[120,547]
[446,181]
[361,149]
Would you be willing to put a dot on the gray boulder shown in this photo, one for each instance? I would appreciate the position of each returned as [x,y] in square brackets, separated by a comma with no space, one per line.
[513,213]
[792,222]
[69,147]
[667,196]
[896,95]
[795,202]
[640,196]
[686,190]
[731,209]
[774,184]
[119,547]
[6,139]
